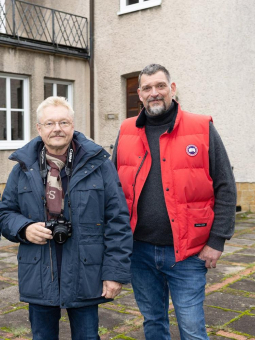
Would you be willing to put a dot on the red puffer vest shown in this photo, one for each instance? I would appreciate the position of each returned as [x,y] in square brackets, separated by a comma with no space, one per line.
[187,185]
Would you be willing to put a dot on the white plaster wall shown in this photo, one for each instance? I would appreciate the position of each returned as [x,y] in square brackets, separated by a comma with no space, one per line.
[208,47]
[37,66]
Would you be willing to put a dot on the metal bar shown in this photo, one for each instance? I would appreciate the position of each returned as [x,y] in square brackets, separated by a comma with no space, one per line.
[29,3]
[53,26]
[13,18]
[45,25]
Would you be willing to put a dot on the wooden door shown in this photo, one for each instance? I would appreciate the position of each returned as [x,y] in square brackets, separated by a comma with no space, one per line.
[134,105]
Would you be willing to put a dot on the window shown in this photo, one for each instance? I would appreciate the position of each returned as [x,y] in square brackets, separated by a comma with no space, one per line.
[58,88]
[14,112]
[127,6]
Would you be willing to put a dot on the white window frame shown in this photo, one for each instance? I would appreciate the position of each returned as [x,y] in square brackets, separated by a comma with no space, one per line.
[124,8]
[9,144]
[60,82]
[2,14]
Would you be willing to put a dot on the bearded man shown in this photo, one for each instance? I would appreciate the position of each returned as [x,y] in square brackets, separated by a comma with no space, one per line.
[181,195]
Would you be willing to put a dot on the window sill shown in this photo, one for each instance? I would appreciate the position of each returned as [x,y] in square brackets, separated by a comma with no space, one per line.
[13,145]
[138,7]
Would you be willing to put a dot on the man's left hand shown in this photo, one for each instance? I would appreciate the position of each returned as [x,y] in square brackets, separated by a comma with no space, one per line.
[210,255]
[111,289]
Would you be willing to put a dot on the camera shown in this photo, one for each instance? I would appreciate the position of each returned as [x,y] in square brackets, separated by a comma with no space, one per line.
[61,229]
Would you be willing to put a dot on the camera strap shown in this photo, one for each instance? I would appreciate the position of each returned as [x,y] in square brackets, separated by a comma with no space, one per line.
[68,170]
[43,165]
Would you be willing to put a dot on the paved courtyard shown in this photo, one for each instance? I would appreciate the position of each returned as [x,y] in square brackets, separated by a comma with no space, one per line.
[229,303]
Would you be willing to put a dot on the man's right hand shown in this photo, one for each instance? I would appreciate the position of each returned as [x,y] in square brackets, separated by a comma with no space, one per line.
[37,233]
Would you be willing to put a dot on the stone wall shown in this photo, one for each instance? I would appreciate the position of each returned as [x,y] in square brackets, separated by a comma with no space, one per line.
[246,196]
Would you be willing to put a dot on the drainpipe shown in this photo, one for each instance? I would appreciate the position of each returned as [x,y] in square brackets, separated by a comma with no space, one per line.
[91,63]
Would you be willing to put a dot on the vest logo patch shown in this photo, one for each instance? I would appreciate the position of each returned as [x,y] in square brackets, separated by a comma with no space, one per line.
[200,224]
[192,150]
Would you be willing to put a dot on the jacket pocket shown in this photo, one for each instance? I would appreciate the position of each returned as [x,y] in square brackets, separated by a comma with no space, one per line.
[90,271]
[29,270]
[27,204]
[199,226]
[91,202]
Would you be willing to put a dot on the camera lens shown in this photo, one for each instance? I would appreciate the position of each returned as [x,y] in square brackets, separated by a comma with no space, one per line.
[60,234]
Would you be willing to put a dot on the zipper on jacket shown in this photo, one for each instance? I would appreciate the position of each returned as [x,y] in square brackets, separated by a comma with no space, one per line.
[50,250]
[51,262]
[140,167]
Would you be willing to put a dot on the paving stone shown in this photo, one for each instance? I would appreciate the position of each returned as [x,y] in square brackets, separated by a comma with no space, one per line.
[4,255]
[230,249]
[174,331]
[128,300]
[240,258]
[4,285]
[240,241]
[242,227]
[218,317]
[5,265]
[244,224]
[218,274]
[12,275]
[246,285]
[227,270]
[128,286]
[229,301]
[110,318]
[4,242]
[236,251]
[124,293]
[250,236]
[138,334]
[214,276]
[246,324]
[9,295]
[64,327]
[246,251]
[10,259]
[16,320]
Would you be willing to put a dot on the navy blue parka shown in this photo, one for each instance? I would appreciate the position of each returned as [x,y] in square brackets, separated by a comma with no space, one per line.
[101,242]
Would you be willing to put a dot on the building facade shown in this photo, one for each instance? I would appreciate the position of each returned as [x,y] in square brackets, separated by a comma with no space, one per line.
[44,51]
[208,47]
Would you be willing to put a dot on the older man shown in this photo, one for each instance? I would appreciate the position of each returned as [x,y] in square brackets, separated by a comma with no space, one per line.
[181,195]
[64,204]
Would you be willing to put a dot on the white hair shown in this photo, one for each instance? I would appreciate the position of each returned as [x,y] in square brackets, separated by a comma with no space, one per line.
[53,101]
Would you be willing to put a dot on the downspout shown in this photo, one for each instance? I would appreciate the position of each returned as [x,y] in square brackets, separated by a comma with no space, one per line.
[91,62]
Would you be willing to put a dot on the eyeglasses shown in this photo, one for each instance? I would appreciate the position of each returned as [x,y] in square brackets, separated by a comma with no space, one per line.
[50,125]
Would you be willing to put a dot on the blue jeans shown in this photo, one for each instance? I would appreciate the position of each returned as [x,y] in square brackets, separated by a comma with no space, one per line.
[45,322]
[154,273]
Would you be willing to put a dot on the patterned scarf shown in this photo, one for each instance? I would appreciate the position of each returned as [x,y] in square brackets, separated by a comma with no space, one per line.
[54,191]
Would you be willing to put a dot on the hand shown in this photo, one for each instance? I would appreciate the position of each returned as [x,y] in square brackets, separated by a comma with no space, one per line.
[210,255]
[111,289]
[37,233]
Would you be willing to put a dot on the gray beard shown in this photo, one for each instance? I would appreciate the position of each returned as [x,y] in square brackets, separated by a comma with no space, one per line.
[156,110]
